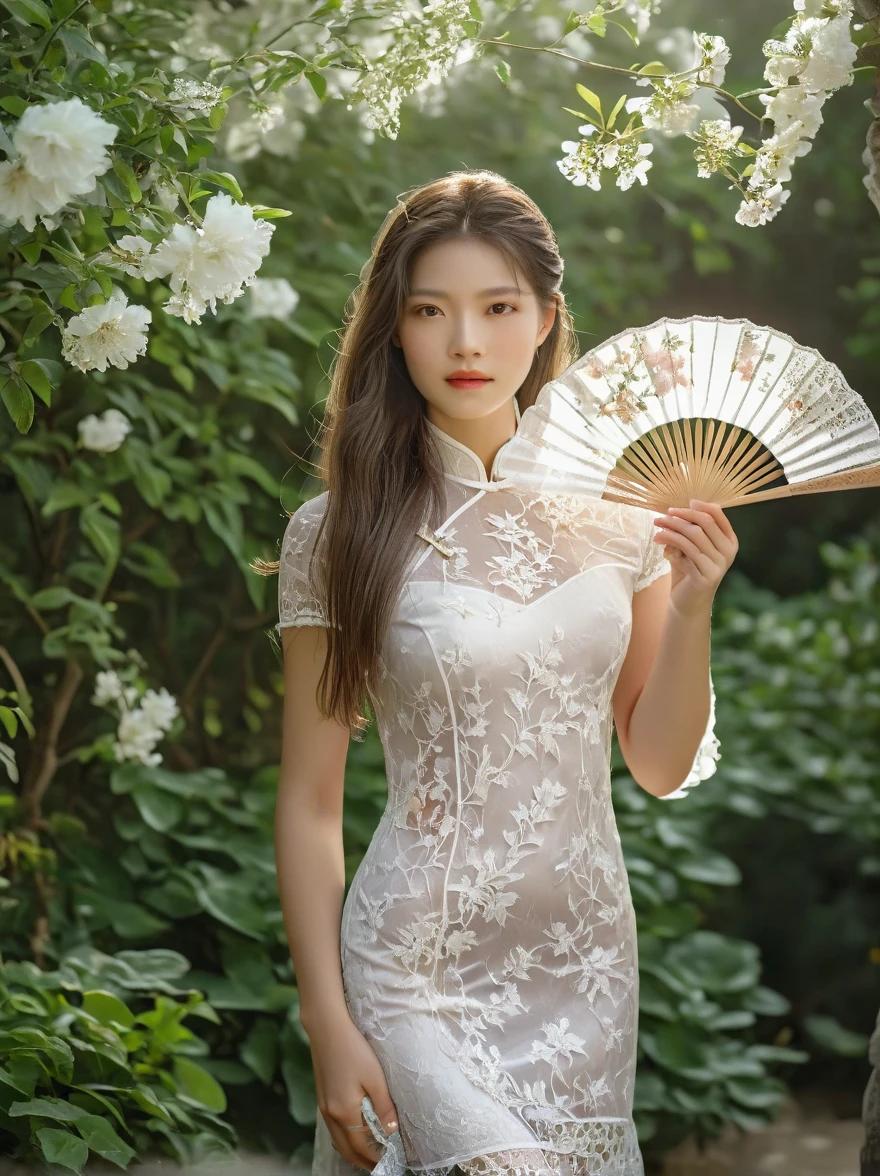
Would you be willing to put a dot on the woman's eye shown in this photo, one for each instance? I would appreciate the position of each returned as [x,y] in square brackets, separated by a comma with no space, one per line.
[419,309]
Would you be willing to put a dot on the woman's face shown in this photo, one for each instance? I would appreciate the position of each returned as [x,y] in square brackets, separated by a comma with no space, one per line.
[465,313]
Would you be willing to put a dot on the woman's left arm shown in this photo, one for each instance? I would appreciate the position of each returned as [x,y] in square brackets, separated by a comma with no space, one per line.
[662,696]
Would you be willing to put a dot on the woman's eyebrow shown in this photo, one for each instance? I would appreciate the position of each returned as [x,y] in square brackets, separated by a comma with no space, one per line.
[424,291]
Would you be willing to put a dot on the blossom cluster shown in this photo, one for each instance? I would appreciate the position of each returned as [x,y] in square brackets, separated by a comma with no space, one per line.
[417,50]
[818,51]
[217,260]
[666,110]
[815,58]
[143,720]
[585,159]
[59,150]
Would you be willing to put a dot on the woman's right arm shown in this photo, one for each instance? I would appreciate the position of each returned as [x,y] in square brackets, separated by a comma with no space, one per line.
[311,882]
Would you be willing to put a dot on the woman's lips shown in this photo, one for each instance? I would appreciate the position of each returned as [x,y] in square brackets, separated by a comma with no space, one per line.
[467,383]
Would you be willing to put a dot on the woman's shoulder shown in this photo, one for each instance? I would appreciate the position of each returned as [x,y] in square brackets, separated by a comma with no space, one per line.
[300,531]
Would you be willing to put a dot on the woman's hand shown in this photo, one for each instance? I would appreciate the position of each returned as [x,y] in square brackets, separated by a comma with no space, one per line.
[700,544]
[346,1068]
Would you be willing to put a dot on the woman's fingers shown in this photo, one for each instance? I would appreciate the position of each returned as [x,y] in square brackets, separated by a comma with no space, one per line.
[354,1143]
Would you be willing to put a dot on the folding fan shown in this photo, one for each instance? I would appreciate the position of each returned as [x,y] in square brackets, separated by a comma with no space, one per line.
[710,408]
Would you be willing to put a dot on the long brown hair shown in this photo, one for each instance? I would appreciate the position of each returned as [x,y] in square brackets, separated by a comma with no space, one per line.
[379,462]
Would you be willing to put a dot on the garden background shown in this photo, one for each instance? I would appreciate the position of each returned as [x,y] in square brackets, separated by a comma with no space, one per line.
[147,1001]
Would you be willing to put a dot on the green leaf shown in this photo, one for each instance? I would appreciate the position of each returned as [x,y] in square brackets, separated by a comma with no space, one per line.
[38,324]
[102,1139]
[107,1008]
[223,897]
[216,115]
[586,117]
[31,251]
[597,24]
[225,180]
[48,1108]
[19,402]
[36,379]
[502,69]
[79,46]
[198,1085]
[270,213]
[125,173]
[653,68]
[572,22]
[612,118]
[628,26]
[160,810]
[14,103]
[259,1050]
[62,1147]
[590,98]
[301,1096]
[831,1035]
[318,83]
[32,12]
[717,963]
[67,298]
[711,867]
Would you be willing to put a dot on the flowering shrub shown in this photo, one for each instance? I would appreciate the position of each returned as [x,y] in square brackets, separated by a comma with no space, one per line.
[817,50]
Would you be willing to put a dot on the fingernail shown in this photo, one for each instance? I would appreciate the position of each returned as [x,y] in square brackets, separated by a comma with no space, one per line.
[392,1124]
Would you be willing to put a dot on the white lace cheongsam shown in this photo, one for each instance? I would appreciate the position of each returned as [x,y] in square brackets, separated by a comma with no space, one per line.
[488,940]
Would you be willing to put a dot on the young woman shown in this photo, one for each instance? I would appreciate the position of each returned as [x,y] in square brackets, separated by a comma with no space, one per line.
[479,982]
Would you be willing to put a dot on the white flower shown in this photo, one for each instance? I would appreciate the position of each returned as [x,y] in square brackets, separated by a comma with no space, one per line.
[160,708]
[166,196]
[108,687]
[641,12]
[64,142]
[106,433]
[633,165]
[776,155]
[713,56]
[112,332]
[272,298]
[795,104]
[818,50]
[582,163]
[216,261]
[137,735]
[201,97]
[832,55]
[130,253]
[24,197]
[717,142]
[666,110]
[762,207]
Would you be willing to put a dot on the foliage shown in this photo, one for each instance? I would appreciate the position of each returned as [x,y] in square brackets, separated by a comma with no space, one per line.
[83,1073]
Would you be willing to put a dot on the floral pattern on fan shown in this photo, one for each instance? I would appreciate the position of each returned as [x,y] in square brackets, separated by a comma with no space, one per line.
[703,407]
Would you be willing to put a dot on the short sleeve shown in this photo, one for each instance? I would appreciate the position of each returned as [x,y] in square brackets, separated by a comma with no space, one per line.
[299,602]
[653,565]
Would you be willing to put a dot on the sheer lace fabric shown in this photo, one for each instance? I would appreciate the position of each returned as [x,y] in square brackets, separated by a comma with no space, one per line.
[488,938]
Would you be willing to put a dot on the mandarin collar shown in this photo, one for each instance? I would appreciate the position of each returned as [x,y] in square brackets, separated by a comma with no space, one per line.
[460,462]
